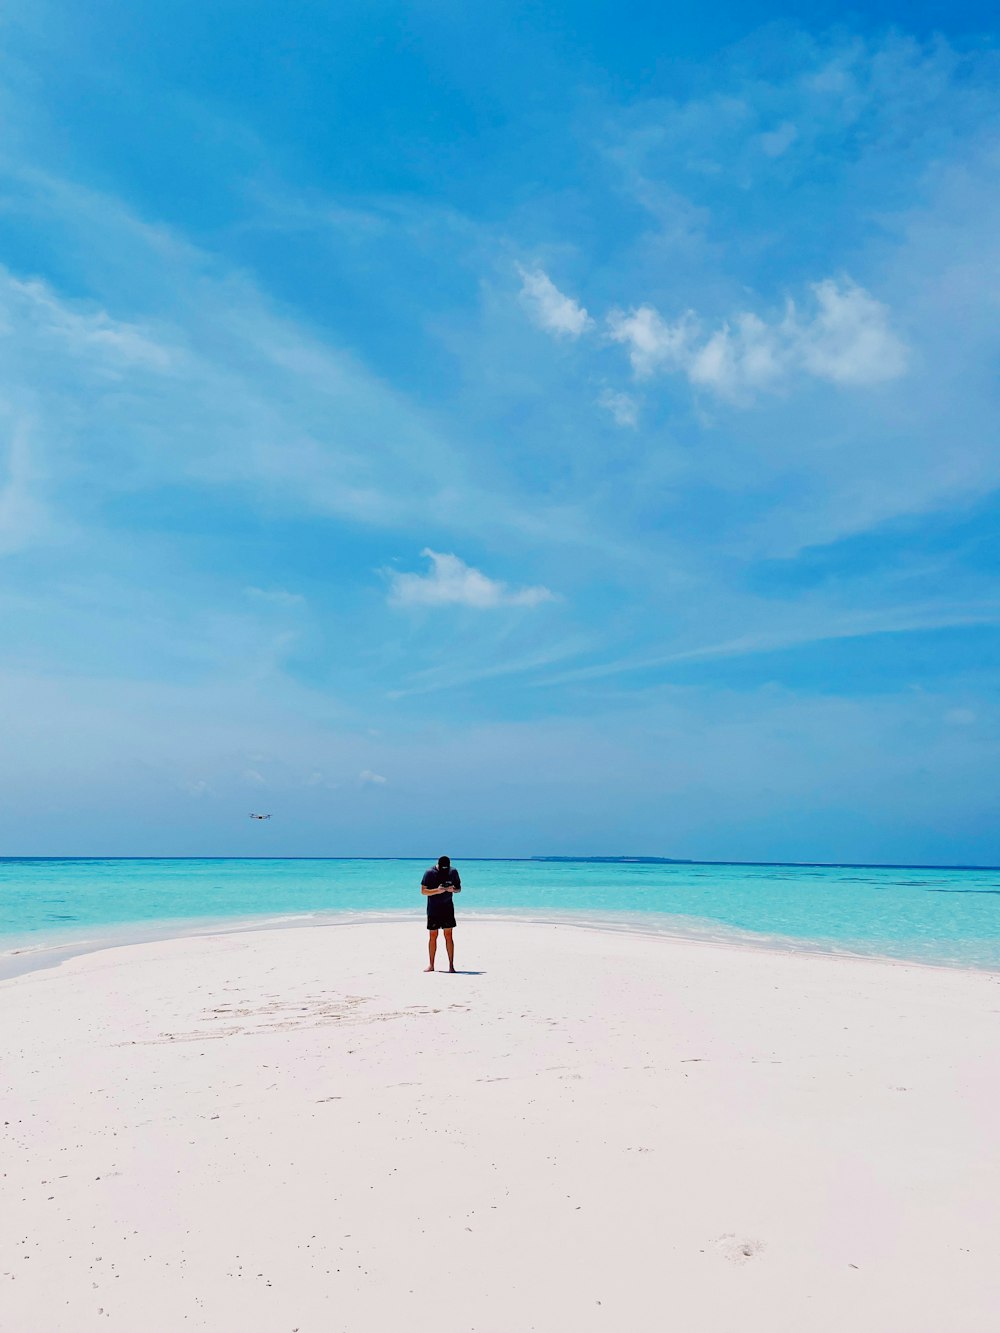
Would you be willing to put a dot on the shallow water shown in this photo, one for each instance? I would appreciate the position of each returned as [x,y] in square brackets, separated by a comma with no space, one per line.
[949,916]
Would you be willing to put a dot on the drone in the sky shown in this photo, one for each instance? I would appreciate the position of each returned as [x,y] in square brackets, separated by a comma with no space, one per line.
[260,816]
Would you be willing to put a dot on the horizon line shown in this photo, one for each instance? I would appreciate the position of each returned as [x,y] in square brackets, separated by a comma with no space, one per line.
[607,860]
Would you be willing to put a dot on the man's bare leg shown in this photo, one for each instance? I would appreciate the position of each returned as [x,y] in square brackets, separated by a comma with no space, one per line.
[449,944]
[432,944]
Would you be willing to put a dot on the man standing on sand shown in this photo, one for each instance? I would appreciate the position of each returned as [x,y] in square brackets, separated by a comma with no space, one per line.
[437,886]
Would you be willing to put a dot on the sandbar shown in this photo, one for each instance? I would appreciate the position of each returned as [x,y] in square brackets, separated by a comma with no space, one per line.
[299,1131]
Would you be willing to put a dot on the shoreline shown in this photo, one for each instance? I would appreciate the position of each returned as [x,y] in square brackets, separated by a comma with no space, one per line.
[21,959]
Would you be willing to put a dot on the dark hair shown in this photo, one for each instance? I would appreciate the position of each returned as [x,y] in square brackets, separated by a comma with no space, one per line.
[444,861]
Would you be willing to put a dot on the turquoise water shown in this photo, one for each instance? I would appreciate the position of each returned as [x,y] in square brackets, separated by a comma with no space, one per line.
[938,916]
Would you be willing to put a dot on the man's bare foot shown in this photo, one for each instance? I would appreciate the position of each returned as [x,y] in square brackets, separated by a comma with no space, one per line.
[451,969]
[428,969]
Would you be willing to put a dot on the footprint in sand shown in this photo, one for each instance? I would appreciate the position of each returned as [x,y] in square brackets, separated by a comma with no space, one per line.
[738,1250]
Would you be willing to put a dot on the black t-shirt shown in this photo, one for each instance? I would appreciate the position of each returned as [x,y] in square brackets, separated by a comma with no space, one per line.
[436,878]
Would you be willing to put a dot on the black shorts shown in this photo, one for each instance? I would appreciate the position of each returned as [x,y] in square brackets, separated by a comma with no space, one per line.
[440,912]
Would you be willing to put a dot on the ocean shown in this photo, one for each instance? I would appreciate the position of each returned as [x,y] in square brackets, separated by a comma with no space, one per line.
[935,915]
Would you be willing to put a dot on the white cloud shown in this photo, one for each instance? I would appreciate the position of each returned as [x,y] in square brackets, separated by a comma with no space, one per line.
[653,344]
[847,340]
[369,779]
[550,308]
[451,582]
[738,358]
[622,406]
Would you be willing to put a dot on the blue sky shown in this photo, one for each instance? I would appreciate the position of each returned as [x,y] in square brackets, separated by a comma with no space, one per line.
[537,428]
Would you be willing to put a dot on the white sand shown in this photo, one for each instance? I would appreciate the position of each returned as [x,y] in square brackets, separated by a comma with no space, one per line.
[299,1130]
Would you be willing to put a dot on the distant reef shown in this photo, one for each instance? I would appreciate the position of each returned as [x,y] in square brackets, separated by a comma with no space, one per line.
[619,860]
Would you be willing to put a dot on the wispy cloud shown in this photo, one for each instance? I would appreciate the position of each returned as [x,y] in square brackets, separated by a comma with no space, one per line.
[83,329]
[550,308]
[451,582]
[841,100]
[960,717]
[624,407]
[23,514]
[213,385]
[778,141]
[369,779]
[902,620]
[452,676]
